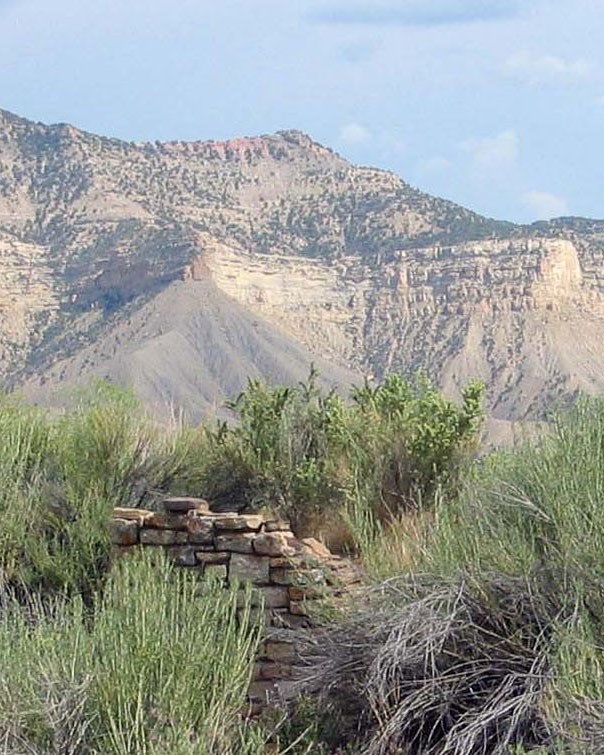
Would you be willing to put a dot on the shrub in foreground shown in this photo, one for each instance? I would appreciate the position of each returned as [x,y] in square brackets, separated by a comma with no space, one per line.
[436,667]
[495,644]
[60,477]
[155,668]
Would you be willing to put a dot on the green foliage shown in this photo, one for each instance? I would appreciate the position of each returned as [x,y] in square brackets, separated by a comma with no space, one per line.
[325,463]
[524,539]
[60,477]
[308,728]
[541,504]
[311,454]
[129,666]
[540,509]
[156,668]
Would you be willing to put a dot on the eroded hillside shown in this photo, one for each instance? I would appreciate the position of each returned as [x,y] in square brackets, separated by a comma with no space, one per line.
[180,267]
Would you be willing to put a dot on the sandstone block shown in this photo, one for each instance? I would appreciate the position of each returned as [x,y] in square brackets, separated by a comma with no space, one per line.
[216,571]
[123,531]
[201,531]
[162,537]
[181,505]
[275,597]
[166,521]
[281,576]
[276,650]
[277,525]
[243,522]
[209,557]
[317,548]
[240,542]
[273,544]
[248,568]
[138,515]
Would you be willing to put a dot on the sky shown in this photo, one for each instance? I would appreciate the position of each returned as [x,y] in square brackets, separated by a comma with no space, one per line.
[495,104]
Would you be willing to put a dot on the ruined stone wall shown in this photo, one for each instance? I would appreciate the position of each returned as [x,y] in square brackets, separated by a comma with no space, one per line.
[288,574]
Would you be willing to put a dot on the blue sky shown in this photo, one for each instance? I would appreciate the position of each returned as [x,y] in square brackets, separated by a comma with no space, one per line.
[496,104]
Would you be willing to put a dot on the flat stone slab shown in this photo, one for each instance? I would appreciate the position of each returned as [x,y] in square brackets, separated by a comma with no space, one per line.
[181,505]
[274,544]
[249,568]
[163,537]
[138,515]
[242,522]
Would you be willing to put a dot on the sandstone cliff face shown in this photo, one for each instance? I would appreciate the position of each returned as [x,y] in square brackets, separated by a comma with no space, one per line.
[500,310]
[112,254]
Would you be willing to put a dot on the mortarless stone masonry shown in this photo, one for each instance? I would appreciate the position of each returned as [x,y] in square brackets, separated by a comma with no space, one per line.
[288,573]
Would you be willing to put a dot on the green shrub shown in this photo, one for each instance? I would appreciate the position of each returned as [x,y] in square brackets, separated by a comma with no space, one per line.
[418,437]
[541,505]
[156,668]
[540,509]
[61,475]
[310,454]
[495,642]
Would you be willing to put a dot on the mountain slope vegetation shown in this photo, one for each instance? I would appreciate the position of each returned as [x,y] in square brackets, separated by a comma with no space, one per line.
[180,268]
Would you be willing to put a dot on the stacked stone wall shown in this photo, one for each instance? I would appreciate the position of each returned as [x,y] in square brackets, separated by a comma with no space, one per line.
[287,574]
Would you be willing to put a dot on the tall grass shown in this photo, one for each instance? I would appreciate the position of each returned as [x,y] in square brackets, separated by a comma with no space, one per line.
[539,510]
[314,458]
[139,664]
[488,635]
[155,669]
[539,506]
[60,477]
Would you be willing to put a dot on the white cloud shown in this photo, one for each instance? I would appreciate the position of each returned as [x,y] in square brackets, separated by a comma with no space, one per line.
[545,205]
[494,153]
[545,69]
[354,133]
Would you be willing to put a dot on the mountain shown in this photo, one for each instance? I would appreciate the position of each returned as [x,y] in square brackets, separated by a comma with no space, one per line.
[182,268]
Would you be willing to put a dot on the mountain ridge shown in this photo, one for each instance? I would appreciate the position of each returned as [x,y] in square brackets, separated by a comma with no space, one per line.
[345,264]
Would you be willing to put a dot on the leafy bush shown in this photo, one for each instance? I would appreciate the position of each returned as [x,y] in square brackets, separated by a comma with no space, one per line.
[313,457]
[309,455]
[539,504]
[94,680]
[154,669]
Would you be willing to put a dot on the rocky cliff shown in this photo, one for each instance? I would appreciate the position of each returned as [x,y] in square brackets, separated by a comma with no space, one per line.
[181,268]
